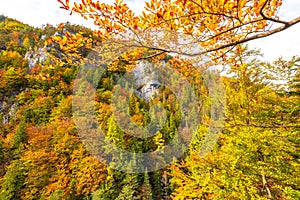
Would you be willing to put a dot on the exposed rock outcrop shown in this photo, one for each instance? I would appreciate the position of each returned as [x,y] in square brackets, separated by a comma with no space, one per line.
[146,80]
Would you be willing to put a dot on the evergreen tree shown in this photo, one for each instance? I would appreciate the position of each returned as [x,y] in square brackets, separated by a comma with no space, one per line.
[146,189]
[107,191]
[127,193]
[158,190]
[20,136]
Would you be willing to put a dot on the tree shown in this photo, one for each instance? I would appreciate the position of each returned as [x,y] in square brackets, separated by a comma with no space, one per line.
[256,156]
[13,181]
[41,154]
[20,136]
[127,193]
[2,18]
[26,43]
[107,191]
[130,187]
[295,82]
[146,189]
[216,25]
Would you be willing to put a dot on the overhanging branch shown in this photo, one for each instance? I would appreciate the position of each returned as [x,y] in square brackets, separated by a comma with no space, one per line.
[253,37]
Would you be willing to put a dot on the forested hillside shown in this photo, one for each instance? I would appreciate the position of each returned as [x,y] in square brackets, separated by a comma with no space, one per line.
[43,156]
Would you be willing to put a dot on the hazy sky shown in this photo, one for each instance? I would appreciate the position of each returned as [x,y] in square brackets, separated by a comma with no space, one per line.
[38,12]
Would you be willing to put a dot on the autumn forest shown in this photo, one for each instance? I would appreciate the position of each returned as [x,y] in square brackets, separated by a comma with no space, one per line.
[168,104]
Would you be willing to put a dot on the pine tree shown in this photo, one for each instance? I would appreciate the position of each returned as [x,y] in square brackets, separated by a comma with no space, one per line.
[132,104]
[127,193]
[107,191]
[146,189]
[157,185]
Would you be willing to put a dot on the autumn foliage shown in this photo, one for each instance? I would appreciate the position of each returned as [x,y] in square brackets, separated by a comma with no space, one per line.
[43,155]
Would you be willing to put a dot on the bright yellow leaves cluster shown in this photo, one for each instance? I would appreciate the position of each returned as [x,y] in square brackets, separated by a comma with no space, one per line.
[70,45]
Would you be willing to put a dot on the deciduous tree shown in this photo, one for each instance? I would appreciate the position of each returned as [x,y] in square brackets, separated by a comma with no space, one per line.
[216,25]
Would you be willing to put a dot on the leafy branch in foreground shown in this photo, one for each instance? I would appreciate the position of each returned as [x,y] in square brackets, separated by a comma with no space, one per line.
[215,25]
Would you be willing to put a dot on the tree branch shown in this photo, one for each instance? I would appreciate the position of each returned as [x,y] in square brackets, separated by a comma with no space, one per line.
[268,18]
[254,37]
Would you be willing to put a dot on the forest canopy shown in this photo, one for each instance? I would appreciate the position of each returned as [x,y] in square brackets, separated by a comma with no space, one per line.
[237,131]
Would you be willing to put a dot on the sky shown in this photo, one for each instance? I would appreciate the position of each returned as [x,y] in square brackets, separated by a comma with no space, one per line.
[39,12]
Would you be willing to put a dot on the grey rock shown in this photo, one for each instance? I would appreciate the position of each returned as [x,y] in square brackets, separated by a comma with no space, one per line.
[146,80]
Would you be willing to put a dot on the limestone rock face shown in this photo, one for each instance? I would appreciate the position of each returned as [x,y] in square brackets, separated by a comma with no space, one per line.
[146,80]
[12,110]
[37,56]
